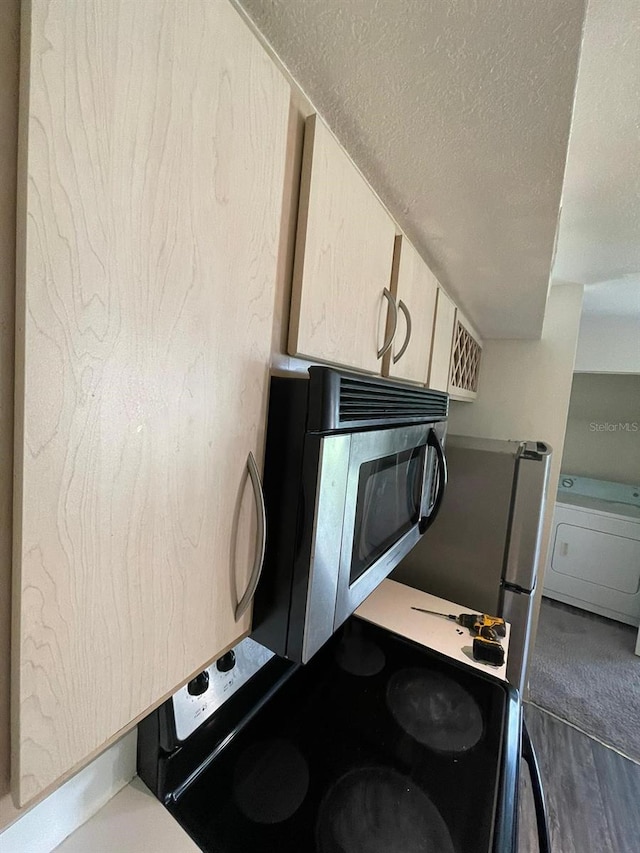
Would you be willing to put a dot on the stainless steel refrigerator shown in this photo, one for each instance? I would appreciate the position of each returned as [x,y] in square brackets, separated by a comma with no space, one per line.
[483,550]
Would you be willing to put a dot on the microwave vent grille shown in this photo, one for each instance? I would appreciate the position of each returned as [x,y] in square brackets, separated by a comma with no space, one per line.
[345,401]
[360,400]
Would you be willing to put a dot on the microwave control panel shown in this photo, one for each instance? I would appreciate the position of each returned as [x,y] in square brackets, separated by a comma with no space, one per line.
[194,703]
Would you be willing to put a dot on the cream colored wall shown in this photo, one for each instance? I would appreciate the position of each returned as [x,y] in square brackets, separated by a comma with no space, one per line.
[524,392]
[9,35]
[603,428]
[608,344]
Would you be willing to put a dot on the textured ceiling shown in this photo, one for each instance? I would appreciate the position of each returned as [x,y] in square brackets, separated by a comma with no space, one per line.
[458,113]
[599,234]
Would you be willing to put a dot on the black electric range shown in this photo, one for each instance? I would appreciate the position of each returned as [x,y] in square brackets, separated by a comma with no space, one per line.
[377,744]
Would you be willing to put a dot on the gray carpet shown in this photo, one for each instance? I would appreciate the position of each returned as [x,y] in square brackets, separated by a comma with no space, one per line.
[584,671]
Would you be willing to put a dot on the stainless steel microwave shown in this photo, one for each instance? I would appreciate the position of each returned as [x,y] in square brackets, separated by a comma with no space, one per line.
[354,475]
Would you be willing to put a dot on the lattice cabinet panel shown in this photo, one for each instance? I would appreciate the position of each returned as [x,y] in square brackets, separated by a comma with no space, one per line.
[465,363]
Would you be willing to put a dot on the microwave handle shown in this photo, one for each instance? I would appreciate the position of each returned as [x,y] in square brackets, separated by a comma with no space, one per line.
[427,520]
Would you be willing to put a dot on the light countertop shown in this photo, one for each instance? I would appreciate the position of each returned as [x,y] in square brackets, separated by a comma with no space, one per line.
[133,821]
[390,606]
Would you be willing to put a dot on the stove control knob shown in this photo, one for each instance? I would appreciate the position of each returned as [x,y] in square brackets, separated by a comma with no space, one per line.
[227,662]
[198,685]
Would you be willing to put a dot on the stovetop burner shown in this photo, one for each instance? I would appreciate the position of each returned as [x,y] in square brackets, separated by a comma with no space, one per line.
[434,710]
[379,810]
[270,780]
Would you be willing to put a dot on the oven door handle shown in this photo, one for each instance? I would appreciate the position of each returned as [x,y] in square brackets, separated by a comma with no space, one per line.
[427,520]
[542,821]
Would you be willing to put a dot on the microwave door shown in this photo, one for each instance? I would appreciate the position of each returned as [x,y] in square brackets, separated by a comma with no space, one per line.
[383,504]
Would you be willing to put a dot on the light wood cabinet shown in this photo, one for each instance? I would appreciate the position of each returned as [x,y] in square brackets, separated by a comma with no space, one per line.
[414,289]
[466,351]
[153,157]
[442,341]
[343,260]
[9,38]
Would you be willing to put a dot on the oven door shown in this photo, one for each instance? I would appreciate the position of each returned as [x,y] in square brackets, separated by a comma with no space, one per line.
[389,489]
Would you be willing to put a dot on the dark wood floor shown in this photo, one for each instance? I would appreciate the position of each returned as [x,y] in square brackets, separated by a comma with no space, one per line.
[592,792]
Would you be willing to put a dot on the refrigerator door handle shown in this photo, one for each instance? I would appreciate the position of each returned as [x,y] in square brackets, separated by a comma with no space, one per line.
[427,520]
[527,514]
[542,820]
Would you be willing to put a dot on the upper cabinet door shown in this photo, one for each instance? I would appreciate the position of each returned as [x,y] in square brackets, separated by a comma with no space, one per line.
[414,288]
[442,342]
[465,360]
[153,167]
[344,254]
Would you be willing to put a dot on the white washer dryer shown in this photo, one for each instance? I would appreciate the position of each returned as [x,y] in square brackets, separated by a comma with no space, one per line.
[594,553]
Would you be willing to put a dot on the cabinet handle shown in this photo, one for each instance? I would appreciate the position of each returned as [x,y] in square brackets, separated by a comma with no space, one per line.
[394,308]
[261,537]
[404,346]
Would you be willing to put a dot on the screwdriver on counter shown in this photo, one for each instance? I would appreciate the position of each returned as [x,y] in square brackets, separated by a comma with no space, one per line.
[486,629]
[478,623]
